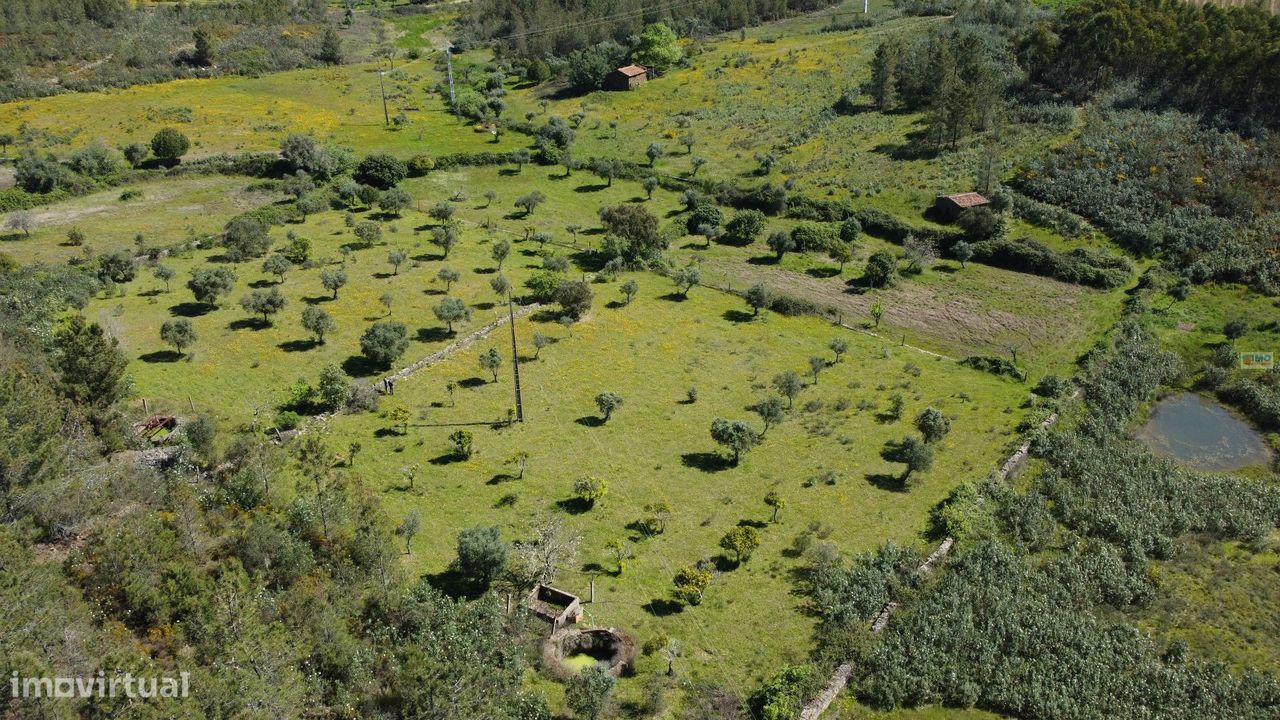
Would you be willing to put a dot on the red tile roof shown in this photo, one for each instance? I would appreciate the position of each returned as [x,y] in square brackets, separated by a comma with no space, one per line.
[633,70]
[968,200]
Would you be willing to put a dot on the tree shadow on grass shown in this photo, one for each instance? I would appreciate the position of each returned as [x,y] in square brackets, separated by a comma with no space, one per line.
[447,458]
[263,283]
[885,481]
[590,188]
[361,366]
[433,334]
[387,432]
[161,356]
[151,293]
[822,272]
[298,345]
[724,564]
[674,297]
[706,462]
[484,270]
[574,505]
[914,149]
[383,275]
[757,524]
[453,583]
[590,421]
[317,299]
[500,478]
[472,382]
[662,607]
[640,530]
[190,309]
[763,260]
[248,324]
[738,316]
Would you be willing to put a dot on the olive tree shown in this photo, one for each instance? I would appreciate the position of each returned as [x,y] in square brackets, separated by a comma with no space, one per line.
[932,424]
[333,280]
[491,360]
[383,342]
[208,285]
[482,554]
[178,333]
[277,265]
[607,402]
[736,435]
[450,311]
[500,251]
[263,302]
[788,385]
[758,297]
[448,276]
[317,322]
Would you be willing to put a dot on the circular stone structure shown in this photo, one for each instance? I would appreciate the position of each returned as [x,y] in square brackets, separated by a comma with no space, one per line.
[569,650]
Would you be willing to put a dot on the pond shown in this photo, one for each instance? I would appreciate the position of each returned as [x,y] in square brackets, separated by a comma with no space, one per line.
[1202,435]
[578,662]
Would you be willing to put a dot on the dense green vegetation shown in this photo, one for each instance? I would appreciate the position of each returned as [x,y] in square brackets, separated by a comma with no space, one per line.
[92,44]
[1025,600]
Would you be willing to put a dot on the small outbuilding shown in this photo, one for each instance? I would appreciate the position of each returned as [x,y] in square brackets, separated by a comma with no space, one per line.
[626,77]
[554,606]
[950,206]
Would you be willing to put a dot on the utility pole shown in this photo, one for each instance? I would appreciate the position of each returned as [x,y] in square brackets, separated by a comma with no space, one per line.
[515,358]
[386,117]
[865,6]
[448,61]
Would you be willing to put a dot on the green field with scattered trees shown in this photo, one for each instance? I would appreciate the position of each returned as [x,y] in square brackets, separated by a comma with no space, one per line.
[332,332]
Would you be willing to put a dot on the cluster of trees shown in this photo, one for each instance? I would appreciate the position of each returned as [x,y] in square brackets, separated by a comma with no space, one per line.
[95,165]
[957,74]
[1174,51]
[96,38]
[555,28]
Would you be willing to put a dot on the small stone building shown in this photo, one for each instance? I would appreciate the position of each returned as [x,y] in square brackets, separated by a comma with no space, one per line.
[554,606]
[626,77]
[950,206]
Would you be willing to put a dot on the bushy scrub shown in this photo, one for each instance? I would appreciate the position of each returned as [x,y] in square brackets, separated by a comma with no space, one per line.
[1164,184]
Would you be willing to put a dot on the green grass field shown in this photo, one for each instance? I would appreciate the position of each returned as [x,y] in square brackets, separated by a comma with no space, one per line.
[657,447]
[340,105]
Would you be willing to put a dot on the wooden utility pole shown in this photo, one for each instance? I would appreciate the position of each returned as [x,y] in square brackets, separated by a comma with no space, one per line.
[448,61]
[386,117]
[515,358]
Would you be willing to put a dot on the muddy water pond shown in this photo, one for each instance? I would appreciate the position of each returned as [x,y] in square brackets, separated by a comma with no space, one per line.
[1201,434]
